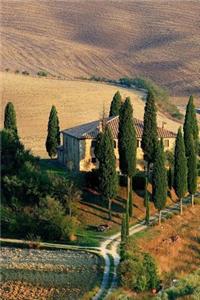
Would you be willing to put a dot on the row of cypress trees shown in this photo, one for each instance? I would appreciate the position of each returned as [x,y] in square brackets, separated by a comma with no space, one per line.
[185,154]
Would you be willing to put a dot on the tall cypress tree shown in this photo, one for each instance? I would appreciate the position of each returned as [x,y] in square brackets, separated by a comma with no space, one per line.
[159,180]
[180,168]
[192,170]
[10,117]
[115,105]
[108,180]
[190,126]
[127,146]
[53,136]
[150,134]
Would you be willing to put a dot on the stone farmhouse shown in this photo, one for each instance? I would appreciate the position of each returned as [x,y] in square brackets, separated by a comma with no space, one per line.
[77,150]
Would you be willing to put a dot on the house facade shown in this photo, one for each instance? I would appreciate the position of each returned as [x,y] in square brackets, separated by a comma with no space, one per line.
[77,150]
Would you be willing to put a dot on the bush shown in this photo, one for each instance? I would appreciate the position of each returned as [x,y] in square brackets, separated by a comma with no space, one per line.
[137,270]
[42,73]
[25,73]
[69,228]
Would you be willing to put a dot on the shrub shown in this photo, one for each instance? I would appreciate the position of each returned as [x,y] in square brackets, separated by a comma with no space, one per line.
[69,228]
[25,73]
[137,270]
[42,73]
[92,178]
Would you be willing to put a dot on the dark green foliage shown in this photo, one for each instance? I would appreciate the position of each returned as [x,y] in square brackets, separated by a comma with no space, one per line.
[53,136]
[190,127]
[11,150]
[10,117]
[123,229]
[150,135]
[146,201]
[192,168]
[151,271]
[115,105]
[159,179]
[66,192]
[127,219]
[97,149]
[170,177]
[108,180]
[127,145]
[180,166]
[137,270]
[42,73]
[127,139]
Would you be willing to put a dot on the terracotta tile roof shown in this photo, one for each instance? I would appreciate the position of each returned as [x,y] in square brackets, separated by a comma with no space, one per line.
[90,130]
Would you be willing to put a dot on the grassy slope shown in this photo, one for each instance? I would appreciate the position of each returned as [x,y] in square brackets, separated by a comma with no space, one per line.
[77,102]
[159,243]
[159,39]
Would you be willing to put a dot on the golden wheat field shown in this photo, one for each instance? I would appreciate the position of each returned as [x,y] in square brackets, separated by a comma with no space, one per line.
[77,102]
[154,38]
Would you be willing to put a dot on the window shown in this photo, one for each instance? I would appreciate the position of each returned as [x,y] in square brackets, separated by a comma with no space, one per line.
[138,143]
[94,160]
[93,144]
[115,144]
[166,143]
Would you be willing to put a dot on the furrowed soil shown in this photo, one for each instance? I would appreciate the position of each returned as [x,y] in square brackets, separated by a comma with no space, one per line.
[157,39]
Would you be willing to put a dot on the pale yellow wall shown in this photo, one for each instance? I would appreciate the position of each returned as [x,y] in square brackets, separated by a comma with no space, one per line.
[78,154]
[87,165]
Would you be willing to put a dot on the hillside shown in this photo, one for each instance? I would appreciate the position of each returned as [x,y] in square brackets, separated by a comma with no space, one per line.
[158,39]
[77,102]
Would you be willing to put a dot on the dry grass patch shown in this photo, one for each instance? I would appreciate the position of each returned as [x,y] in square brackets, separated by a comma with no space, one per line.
[77,102]
[177,247]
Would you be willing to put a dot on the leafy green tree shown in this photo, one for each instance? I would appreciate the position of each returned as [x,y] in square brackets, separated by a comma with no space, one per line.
[10,117]
[115,105]
[127,146]
[159,180]
[150,134]
[66,192]
[190,127]
[180,168]
[192,170]
[108,180]
[53,136]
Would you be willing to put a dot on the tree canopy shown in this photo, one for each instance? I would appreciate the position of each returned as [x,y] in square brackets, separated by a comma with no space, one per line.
[150,134]
[10,117]
[53,136]
[180,166]
[115,105]
[127,139]
[190,126]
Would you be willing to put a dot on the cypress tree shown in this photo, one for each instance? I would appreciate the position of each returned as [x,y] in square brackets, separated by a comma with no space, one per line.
[53,136]
[190,127]
[10,117]
[192,170]
[115,105]
[146,200]
[127,146]
[123,229]
[159,180]
[108,180]
[149,135]
[180,168]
